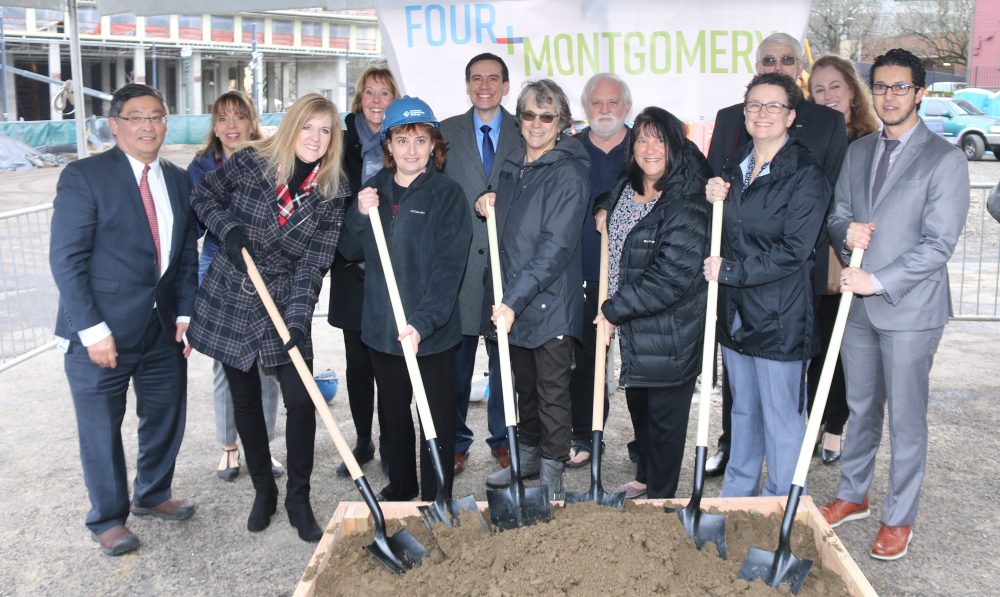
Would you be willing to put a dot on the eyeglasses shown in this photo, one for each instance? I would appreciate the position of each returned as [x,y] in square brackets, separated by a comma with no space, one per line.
[897,89]
[138,120]
[771,107]
[531,116]
[772,60]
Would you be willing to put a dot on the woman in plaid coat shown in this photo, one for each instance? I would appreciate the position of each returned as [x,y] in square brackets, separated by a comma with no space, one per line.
[281,199]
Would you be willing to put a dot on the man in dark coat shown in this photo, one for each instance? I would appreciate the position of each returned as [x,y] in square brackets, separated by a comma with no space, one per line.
[124,257]
[821,130]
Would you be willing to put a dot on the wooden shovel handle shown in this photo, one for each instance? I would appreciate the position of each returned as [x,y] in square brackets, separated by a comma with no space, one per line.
[506,379]
[409,354]
[711,316]
[825,379]
[601,349]
[300,365]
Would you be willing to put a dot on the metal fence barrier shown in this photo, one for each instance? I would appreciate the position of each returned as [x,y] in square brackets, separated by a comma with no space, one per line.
[28,296]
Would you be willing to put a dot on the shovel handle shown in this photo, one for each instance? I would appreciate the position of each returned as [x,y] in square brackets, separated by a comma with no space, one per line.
[825,379]
[601,348]
[506,379]
[711,316]
[409,354]
[300,365]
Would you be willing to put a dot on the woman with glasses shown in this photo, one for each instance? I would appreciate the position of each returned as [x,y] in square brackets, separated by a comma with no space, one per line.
[776,198]
[834,83]
[280,199]
[541,200]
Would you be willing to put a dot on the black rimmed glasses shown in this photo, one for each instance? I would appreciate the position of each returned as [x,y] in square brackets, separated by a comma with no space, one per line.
[531,116]
[897,88]
[139,120]
[772,60]
[771,107]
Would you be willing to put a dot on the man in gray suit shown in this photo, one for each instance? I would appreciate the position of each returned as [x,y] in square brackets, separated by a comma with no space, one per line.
[902,195]
[478,143]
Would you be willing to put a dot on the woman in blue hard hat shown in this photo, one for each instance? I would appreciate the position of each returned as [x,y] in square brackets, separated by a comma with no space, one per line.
[428,231]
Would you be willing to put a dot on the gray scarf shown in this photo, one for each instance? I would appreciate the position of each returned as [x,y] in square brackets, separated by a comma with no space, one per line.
[371,149]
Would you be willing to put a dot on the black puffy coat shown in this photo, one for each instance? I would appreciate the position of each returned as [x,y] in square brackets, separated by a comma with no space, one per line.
[768,240]
[660,304]
[347,278]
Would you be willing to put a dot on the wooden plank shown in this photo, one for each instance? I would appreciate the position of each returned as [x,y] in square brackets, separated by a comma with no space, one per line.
[354,517]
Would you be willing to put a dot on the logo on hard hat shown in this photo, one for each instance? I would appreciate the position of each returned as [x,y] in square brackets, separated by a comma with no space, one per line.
[413,112]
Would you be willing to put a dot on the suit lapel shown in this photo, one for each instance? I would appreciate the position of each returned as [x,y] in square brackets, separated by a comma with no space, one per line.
[510,139]
[124,172]
[906,157]
[177,209]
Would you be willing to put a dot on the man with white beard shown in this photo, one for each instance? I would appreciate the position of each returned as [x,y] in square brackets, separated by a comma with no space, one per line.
[607,102]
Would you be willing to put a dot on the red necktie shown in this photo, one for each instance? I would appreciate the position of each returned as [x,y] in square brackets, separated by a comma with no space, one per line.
[147,202]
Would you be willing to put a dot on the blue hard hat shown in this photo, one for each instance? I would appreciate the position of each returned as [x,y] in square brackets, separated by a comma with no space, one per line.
[407,110]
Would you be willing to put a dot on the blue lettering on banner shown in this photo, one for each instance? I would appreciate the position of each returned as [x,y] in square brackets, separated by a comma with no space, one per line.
[459,24]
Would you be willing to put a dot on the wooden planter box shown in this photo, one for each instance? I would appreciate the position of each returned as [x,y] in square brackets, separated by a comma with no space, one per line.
[354,517]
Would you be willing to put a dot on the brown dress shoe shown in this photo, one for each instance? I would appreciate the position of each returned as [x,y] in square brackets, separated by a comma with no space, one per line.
[891,543]
[172,509]
[839,511]
[460,459]
[502,455]
[116,541]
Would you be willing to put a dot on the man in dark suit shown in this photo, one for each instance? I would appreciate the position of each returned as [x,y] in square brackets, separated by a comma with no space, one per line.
[478,143]
[124,257]
[820,129]
[903,197]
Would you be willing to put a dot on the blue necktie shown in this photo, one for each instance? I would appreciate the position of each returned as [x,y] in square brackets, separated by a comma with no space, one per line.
[488,151]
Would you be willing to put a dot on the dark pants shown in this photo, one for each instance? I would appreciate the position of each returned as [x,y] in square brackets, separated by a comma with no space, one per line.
[465,365]
[836,412]
[581,384]
[541,382]
[300,429]
[360,385]
[660,419]
[495,420]
[158,371]
[395,393]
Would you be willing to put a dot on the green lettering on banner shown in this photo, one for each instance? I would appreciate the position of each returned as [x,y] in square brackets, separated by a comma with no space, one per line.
[610,36]
[717,50]
[631,68]
[654,53]
[689,54]
[593,58]
[742,50]
[563,55]
[541,62]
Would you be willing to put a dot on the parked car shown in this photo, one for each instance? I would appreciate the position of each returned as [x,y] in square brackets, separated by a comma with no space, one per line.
[964,125]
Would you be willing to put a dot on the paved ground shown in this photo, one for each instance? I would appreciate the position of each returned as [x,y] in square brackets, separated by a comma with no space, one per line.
[45,549]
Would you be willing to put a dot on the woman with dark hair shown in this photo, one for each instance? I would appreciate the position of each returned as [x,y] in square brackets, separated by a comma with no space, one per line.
[657,226]
[363,156]
[428,231]
[776,203]
[541,200]
[835,84]
[280,199]
[234,123]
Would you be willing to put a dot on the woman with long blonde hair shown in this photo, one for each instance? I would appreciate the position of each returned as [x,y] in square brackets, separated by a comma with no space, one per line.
[281,200]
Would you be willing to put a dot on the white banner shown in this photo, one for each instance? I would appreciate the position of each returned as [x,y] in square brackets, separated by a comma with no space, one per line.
[690,58]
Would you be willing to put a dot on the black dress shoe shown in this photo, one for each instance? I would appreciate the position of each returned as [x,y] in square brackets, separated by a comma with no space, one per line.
[363,454]
[300,515]
[716,465]
[831,456]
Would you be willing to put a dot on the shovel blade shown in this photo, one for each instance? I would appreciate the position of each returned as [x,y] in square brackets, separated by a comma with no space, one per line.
[397,553]
[597,494]
[467,504]
[518,506]
[435,512]
[775,568]
[705,528]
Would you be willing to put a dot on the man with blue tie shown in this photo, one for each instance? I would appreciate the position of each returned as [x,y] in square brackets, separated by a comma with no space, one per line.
[124,257]
[478,143]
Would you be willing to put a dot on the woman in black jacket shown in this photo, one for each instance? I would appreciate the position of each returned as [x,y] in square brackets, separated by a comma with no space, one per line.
[776,198]
[428,230]
[658,236]
[375,90]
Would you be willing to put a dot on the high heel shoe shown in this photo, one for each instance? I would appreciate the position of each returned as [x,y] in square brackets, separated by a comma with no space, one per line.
[229,466]
[265,504]
[831,456]
[300,515]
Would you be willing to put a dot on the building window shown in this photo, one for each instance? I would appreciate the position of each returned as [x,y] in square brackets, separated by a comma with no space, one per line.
[282,32]
[189,27]
[13,18]
[158,26]
[49,20]
[340,36]
[365,40]
[248,25]
[222,28]
[90,20]
[123,24]
[312,34]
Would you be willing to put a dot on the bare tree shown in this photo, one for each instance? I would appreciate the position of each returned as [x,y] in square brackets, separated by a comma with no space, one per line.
[832,21]
[942,27]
